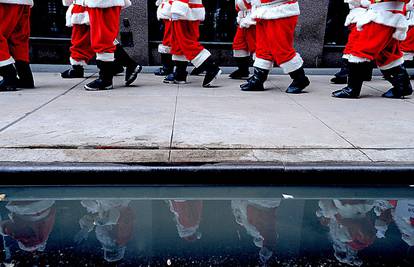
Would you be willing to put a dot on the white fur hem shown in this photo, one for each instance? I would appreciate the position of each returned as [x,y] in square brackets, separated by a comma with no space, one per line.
[164,49]
[18,2]
[200,58]
[106,3]
[7,62]
[393,64]
[74,62]
[354,59]
[275,11]
[346,56]
[179,58]
[240,53]
[80,18]
[295,63]
[107,57]
[408,56]
[263,64]
[67,2]
[164,11]
[180,8]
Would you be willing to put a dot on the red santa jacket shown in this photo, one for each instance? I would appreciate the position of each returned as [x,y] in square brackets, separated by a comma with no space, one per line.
[274,9]
[192,10]
[98,3]
[17,2]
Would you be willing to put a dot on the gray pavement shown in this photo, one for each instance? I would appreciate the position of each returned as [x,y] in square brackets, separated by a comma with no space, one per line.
[151,122]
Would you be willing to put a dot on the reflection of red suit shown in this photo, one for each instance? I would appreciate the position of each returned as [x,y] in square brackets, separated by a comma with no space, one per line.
[14,31]
[244,43]
[163,13]
[258,217]
[30,223]
[187,215]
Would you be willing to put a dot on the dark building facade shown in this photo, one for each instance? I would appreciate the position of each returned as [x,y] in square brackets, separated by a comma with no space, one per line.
[320,35]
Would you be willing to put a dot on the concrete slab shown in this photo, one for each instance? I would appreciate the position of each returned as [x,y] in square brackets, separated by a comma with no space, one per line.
[390,155]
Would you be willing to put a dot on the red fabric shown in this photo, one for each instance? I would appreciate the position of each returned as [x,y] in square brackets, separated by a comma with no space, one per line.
[189,212]
[167,38]
[274,39]
[104,27]
[375,42]
[14,32]
[185,36]
[81,49]
[352,37]
[245,39]
[408,44]
[264,220]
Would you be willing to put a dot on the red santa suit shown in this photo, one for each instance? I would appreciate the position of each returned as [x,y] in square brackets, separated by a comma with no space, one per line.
[244,43]
[163,13]
[407,46]
[14,31]
[30,223]
[187,215]
[258,217]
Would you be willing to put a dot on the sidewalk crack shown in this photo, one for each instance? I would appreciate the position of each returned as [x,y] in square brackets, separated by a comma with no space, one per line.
[173,124]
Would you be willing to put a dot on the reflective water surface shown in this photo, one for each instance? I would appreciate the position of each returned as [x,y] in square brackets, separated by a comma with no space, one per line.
[180,232]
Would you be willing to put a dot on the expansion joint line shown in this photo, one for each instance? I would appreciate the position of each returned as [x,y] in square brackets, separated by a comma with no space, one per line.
[173,125]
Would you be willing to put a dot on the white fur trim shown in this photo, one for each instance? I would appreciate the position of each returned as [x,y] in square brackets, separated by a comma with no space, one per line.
[74,62]
[275,11]
[354,14]
[387,18]
[69,16]
[79,18]
[164,11]
[29,207]
[263,64]
[295,63]
[18,2]
[200,58]
[408,56]
[163,49]
[107,57]
[66,2]
[393,64]
[184,11]
[106,3]
[180,8]
[346,56]
[179,58]
[240,53]
[353,210]
[354,59]
[7,62]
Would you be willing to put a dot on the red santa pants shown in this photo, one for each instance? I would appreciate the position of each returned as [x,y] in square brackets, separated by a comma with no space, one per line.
[165,47]
[352,37]
[104,27]
[185,45]
[244,43]
[14,33]
[81,51]
[407,46]
[375,42]
[274,43]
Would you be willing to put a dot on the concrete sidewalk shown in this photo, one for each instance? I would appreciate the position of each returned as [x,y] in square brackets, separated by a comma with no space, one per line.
[156,123]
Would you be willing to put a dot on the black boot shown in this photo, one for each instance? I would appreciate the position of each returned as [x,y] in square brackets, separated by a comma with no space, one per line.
[212,71]
[196,72]
[243,68]
[106,74]
[300,81]
[132,68]
[400,81]
[76,71]
[9,82]
[341,77]
[167,65]
[357,72]
[255,82]
[179,76]
[25,75]
[118,69]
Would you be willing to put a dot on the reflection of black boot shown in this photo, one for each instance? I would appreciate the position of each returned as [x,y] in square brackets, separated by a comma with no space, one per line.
[400,81]
[167,65]
[300,81]
[25,75]
[132,68]
[357,72]
[341,77]
[106,74]
[212,71]
[76,71]
[242,71]
[255,83]
[9,82]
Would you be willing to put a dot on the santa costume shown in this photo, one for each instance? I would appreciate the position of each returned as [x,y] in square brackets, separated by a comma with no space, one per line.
[379,32]
[244,43]
[30,223]
[165,47]
[187,216]
[407,46]
[258,217]
[275,29]
[186,16]
[14,45]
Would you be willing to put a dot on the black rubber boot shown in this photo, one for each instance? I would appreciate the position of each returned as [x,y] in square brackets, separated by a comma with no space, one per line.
[25,75]
[106,74]
[118,69]
[132,68]
[242,71]
[76,71]
[400,81]
[300,81]
[341,77]
[213,71]
[9,82]
[179,76]
[357,72]
[167,65]
[255,82]
[197,72]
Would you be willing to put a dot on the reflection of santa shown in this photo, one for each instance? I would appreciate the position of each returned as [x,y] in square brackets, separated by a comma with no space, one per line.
[351,228]
[258,217]
[113,221]
[187,215]
[29,223]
